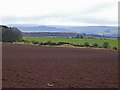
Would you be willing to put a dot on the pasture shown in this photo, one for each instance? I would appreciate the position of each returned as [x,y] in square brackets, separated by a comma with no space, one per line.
[112,43]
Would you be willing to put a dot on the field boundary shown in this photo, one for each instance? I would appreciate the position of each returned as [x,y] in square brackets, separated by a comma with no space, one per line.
[61,46]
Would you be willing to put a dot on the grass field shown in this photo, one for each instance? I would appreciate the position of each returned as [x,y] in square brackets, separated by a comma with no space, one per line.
[112,43]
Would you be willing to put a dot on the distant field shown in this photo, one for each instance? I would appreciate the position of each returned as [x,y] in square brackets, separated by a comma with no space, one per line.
[73,40]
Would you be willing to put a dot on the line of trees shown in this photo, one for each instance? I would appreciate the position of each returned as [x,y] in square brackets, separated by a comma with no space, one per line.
[85,44]
[10,34]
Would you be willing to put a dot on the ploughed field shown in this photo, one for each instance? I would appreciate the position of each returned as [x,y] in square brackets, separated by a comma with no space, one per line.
[26,66]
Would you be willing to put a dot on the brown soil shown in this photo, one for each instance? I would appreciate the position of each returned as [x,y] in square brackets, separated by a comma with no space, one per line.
[26,66]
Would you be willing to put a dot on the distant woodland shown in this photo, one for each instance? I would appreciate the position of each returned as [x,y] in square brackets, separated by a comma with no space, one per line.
[62,35]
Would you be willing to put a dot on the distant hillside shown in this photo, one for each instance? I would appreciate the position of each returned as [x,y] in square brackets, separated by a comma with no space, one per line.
[48,34]
[100,30]
[62,35]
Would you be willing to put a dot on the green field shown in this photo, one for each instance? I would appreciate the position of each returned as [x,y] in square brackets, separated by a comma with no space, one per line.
[112,43]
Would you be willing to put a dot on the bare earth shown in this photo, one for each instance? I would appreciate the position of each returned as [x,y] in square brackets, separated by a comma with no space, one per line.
[26,66]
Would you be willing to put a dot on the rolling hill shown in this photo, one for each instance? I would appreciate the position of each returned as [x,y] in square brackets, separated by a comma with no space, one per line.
[100,30]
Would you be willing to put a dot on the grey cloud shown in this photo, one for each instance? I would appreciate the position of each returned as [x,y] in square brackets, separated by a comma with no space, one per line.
[76,17]
[13,19]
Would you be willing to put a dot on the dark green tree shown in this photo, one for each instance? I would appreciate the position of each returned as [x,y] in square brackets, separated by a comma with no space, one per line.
[106,45]
[86,44]
[10,34]
[35,42]
[79,36]
[95,45]
[115,48]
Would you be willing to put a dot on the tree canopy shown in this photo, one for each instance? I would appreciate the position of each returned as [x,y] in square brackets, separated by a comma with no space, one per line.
[10,34]
[79,36]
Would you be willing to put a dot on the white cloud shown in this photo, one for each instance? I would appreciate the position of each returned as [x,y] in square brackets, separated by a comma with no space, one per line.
[59,12]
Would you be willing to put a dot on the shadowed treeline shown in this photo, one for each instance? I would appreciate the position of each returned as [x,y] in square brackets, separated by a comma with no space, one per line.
[9,34]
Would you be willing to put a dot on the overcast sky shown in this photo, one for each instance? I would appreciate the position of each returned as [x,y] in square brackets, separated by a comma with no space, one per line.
[59,12]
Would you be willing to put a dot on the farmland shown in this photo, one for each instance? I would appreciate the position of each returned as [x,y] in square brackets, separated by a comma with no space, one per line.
[112,43]
[28,66]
